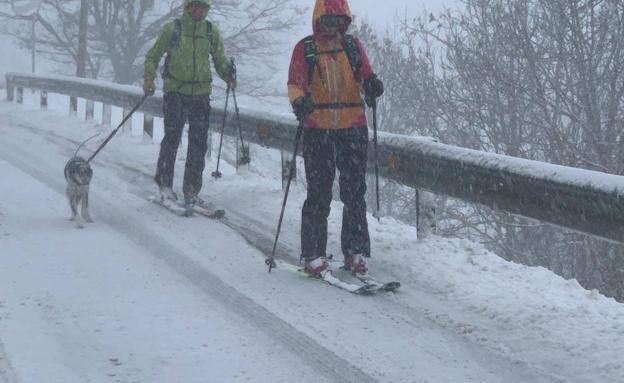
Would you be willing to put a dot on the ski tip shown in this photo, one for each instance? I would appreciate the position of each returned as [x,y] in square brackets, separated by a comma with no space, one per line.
[366,290]
[391,286]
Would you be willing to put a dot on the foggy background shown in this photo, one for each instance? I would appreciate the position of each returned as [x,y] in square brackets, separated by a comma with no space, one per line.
[14,58]
[507,77]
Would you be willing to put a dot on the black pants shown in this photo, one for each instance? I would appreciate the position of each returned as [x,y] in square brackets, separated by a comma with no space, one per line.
[324,150]
[177,109]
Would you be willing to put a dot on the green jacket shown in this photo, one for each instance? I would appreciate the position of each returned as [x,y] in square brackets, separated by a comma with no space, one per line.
[189,64]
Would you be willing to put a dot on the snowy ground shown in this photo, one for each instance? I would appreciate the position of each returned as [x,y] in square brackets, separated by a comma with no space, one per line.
[144,296]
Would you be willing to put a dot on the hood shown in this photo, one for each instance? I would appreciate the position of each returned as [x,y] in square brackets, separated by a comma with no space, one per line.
[186,2]
[186,14]
[330,8]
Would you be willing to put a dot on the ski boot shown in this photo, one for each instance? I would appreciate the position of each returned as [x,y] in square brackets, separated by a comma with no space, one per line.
[167,195]
[356,263]
[316,267]
[189,204]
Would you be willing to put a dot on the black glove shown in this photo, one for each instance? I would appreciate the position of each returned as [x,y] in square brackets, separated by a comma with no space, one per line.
[373,88]
[303,107]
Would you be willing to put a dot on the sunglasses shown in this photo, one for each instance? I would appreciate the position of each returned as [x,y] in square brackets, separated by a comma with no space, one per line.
[333,21]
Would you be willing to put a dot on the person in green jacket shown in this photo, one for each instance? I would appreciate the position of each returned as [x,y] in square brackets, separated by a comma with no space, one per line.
[189,42]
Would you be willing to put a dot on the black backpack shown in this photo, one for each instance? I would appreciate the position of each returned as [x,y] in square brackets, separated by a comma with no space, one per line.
[350,48]
[175,39]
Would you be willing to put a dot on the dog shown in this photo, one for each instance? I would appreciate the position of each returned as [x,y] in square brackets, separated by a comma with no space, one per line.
[78,174]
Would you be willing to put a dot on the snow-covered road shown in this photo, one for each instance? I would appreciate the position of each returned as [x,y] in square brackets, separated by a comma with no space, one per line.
[142,295]
[92,305]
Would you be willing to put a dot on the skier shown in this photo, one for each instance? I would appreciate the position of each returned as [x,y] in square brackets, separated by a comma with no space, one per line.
[328,73]
[189,42]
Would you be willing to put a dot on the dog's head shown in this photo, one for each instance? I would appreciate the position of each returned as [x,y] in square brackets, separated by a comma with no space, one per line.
[78,171]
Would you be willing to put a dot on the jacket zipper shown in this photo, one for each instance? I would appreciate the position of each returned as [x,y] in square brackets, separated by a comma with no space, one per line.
[194,61]
[334,82]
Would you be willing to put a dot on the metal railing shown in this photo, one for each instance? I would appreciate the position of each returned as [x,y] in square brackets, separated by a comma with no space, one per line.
[582,200]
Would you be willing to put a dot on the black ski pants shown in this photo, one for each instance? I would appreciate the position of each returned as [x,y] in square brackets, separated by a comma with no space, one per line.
[177,109]
[324,151]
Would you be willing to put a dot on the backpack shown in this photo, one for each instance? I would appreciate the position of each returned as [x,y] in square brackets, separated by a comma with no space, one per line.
[350,48]
[175,39]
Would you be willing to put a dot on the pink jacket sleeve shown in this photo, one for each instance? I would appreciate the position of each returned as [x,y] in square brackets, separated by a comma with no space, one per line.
[297,74]
[365,70]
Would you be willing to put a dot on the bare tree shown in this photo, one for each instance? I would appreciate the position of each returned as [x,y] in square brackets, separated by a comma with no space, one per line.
[528,78]
[120,32]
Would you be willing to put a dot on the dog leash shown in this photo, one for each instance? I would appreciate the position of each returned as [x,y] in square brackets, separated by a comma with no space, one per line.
[110,137]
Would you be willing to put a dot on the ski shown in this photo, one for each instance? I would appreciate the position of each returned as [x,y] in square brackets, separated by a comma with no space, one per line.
[173,207]
[380,286]
[329,278]
[203,208]
[368,279]
[179,209]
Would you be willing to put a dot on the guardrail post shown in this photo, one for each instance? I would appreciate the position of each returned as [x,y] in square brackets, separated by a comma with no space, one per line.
[426,223]
[107,112]
[10,90]
[89,110]
[73,105]
[44,100]
[286,163]
[148,125]
[209,145]
[20,95]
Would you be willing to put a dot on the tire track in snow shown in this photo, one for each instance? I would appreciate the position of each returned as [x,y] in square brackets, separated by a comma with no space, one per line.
[258,235]
[7,373]
[312,353]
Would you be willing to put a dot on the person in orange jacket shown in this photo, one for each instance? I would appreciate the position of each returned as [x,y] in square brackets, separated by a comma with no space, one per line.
[329,72]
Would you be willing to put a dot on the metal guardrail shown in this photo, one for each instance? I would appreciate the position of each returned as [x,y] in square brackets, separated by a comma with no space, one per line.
[586,201]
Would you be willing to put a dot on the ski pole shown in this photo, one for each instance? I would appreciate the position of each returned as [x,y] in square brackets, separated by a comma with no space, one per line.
[271,260]
[245,158]
[217,173]
[110,137]
[377,212]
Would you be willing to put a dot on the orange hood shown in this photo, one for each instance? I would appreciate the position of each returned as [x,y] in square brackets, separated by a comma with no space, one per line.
[331,8]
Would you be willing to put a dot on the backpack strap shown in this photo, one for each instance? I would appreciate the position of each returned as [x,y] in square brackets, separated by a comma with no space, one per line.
[353,54]
[173,42]
[350,48]
[177,30]
[310,54]
[209,34]
[175,35]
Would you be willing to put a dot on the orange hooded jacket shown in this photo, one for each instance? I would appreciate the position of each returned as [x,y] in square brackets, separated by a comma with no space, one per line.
[333,82]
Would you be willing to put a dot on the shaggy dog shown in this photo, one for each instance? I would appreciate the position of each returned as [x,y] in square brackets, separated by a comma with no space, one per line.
[78,174]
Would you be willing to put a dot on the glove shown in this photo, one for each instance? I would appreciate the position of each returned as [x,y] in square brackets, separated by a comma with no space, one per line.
[373,88]
[148,86]
[303,107]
